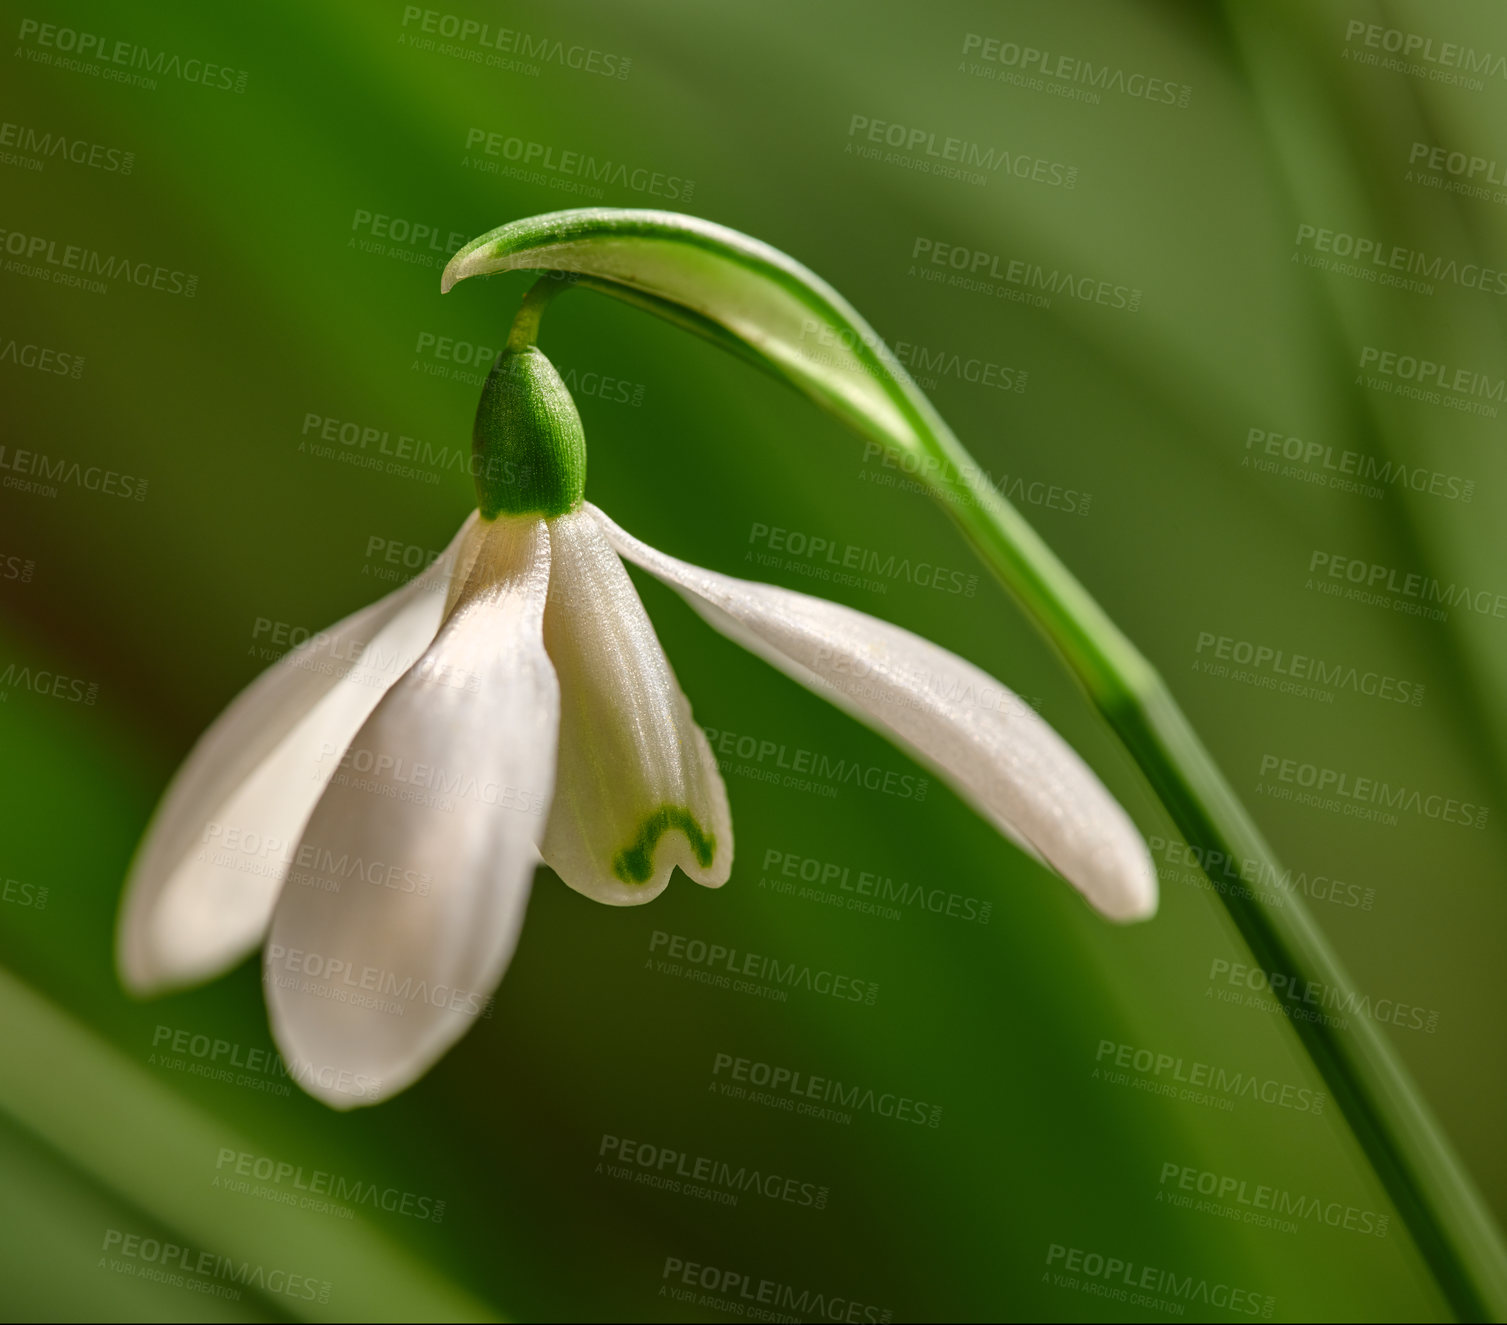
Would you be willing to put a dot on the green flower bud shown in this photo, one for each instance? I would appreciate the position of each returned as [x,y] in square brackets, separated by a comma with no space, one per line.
[528,442]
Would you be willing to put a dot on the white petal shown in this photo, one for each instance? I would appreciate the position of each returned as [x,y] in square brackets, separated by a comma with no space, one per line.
[637,791]
[201,888]
[978,736]
[409,887]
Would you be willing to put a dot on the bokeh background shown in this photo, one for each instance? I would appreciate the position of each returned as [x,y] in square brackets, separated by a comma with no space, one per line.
[284,447]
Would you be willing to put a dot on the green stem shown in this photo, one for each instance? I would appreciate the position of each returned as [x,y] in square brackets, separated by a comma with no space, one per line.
[1449,1222]
[1435,1199]
[525,329]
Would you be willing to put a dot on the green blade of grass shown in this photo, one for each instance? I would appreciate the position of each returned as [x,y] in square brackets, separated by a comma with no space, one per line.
[159,1155]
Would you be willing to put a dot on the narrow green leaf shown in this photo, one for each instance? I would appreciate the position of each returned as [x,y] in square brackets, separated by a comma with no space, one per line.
[159,1154]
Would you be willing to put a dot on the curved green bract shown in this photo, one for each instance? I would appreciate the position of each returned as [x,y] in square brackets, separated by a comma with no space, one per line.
[770,310]
[779,310]
[635,864]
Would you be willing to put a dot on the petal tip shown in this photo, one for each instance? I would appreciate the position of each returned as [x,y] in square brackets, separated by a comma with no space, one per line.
[341,1086]
[1133,912]
[137,980]
[142,974]
[1126,891]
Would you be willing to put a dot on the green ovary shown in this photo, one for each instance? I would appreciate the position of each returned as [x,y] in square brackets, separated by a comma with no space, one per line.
[528,447]
[635,864]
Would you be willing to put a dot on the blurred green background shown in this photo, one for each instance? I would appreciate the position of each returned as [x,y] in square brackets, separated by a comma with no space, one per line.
[312,181]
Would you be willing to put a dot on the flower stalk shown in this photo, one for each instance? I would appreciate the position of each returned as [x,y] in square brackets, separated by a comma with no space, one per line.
[767,308]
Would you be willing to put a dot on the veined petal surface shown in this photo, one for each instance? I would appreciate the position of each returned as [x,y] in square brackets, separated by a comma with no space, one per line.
[976,734]
[206,875]
[410,884]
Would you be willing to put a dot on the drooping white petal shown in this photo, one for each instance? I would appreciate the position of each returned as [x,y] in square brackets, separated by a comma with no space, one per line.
[979,737]
[409,886]
[201,888]
[637,791]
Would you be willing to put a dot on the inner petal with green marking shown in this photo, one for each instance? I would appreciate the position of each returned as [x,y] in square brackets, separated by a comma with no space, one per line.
[637,791]
[634,864]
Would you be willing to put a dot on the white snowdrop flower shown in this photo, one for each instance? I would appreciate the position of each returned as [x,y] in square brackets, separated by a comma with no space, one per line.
[371,810]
